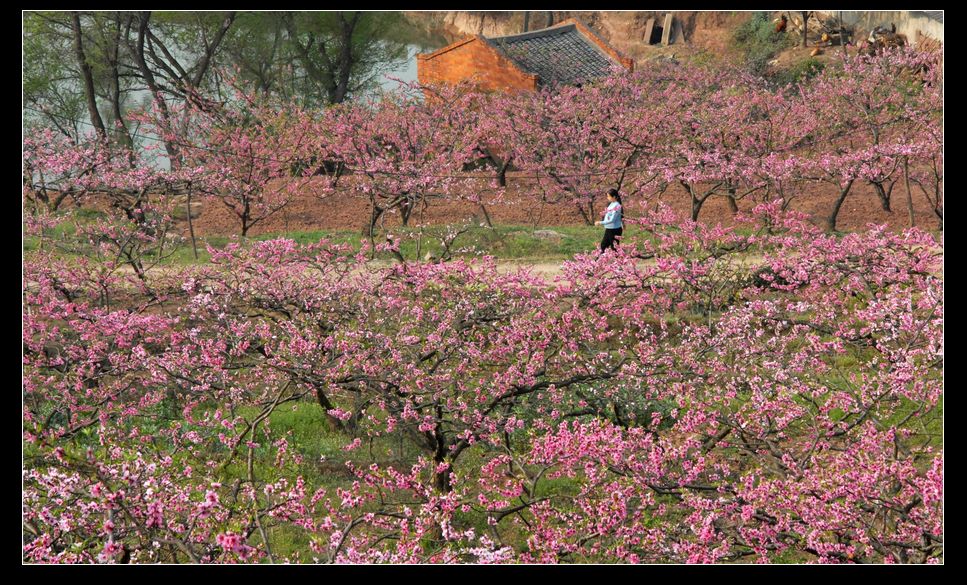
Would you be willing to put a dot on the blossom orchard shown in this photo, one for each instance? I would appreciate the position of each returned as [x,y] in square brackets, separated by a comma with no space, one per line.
[769,392]
[716,133]
[403,149]
[672,401]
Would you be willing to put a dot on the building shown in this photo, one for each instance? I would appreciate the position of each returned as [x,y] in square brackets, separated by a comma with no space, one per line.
[568,53]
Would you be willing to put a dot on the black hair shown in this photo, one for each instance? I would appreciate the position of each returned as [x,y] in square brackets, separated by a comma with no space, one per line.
[614,193]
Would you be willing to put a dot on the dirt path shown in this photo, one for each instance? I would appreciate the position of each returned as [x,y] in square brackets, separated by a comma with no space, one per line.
[548,270]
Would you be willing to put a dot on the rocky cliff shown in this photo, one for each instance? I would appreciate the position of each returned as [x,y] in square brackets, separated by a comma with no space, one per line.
[625,31]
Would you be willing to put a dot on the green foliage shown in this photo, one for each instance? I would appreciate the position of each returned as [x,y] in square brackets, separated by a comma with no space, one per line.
[703,58]
[759,41]
[801,71]
[49,77]
[316,58]
[310,433]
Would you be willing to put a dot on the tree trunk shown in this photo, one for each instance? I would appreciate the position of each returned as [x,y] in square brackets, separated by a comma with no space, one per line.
[486,215]
[883,195]
[120,127]
[697,202]
[733,205]
[245,216]
[696,207]
[831,220]
[842,33]
[440,456]
[938,207]
[442,481]
[56,201]
[371,229]
[588,219]
[502,173]
[906,178]
[334,423]
[191,226]
[406,209]
[805,20]
[87,76]
[346,60]
[210,49]
[143,18]
[377,212]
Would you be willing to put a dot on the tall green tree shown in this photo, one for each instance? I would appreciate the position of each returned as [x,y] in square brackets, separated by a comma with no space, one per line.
[90,69]
[52,93]
[340,54]
[87,69]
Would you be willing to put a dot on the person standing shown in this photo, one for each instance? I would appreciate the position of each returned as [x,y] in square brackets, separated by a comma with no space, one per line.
[611,221]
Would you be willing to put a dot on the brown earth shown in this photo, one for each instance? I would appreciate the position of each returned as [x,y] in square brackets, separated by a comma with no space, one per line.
[520,205]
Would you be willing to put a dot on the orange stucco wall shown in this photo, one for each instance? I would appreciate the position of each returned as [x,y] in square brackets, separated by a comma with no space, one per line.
[476,61]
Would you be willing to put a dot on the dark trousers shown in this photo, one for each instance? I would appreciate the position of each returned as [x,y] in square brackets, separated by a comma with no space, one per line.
[609,238]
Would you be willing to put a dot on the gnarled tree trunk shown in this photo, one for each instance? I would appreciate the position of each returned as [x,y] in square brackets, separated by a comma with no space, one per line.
[834,214]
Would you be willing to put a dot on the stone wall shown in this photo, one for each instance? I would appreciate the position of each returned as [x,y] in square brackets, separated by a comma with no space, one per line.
[908,22]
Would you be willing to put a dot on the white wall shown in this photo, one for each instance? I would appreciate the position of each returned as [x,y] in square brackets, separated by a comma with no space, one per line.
[907,22]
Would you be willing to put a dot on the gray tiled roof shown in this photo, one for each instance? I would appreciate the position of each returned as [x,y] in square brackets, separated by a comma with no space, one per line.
[560,54]
[934,14]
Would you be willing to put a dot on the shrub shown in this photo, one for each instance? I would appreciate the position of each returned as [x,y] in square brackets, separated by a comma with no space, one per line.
[759,41]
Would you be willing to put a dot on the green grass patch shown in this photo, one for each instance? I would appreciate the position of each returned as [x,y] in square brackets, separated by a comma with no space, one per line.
[800,71]
[505,242]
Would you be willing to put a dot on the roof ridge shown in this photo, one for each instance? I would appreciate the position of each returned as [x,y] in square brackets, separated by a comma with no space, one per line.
[454,45]
[602,44]
[557,29]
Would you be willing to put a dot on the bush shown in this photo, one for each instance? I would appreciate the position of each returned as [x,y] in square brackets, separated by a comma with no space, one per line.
[801,71]
[759,41]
